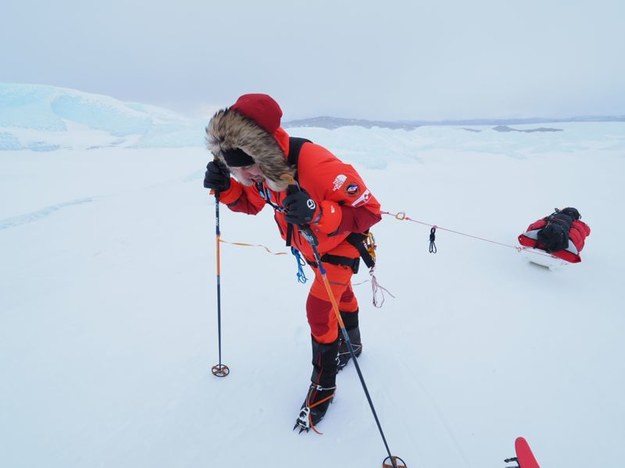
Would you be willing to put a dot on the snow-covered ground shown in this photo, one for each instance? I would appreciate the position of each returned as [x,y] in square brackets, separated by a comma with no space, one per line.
[108,321]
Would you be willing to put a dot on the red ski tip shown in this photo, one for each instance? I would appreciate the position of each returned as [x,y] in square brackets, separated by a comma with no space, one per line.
[524,454]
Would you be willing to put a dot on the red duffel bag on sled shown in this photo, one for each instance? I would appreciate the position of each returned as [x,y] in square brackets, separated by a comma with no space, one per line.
[562,234]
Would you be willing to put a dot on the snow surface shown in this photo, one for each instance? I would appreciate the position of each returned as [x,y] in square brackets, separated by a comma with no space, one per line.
[108,321]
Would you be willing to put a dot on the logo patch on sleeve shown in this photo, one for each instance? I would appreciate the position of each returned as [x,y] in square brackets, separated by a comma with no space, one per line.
[338,182]
[352,189]
[364,198]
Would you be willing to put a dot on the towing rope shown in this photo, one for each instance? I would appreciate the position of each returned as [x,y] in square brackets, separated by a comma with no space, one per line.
[401,216]
[379,291]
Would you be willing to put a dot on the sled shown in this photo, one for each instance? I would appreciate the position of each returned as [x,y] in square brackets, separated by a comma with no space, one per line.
[560,235]
[542,259]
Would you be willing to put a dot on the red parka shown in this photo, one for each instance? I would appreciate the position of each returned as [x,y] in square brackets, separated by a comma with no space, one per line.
[346,203]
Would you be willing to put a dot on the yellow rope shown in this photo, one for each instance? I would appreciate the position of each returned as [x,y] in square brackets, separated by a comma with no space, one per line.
[243,244]
[377,290]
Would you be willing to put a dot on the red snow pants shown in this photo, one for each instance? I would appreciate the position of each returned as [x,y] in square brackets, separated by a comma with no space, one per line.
[321,317]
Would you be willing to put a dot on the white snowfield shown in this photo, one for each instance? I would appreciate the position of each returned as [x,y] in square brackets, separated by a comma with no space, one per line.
[108,318]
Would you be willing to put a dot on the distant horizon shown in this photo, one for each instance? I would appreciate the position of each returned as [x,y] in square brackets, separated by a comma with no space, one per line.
[333,121]
[45,118]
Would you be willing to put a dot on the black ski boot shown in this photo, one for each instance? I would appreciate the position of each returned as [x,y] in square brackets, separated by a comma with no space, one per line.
[350,320]
[322,386]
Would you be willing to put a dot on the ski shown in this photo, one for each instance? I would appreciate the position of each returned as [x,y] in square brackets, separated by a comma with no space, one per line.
[524,456]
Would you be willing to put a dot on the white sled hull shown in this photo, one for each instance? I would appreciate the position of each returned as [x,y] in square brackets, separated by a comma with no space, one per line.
[543,259]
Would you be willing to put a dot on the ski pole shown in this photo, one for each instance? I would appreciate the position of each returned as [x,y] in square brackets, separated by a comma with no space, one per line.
[312,240]
[219,370]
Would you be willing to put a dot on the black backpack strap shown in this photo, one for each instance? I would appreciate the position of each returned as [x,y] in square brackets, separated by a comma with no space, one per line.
[295,146]
[358,240]
[352,263]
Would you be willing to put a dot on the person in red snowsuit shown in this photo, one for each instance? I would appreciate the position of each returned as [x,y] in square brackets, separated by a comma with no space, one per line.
[320,193]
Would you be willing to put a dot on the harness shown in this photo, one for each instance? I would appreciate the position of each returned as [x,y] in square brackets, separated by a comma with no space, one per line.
[364,242]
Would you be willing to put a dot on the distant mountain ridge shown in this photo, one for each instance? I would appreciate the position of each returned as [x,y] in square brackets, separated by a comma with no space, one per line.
[337,122]
[47,118]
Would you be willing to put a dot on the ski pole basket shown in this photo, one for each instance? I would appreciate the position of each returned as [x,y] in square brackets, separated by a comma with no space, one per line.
[393,462]
[220,370]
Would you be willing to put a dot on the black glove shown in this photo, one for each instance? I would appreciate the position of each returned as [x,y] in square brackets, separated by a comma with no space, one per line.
[217,177]
[300,208]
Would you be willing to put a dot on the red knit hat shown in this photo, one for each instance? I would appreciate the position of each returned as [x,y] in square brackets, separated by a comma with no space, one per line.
[261,108]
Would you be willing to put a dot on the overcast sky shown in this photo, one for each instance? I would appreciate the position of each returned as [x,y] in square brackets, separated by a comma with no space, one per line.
[385,59]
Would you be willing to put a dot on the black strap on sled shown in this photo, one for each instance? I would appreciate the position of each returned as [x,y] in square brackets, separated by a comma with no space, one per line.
[554,236]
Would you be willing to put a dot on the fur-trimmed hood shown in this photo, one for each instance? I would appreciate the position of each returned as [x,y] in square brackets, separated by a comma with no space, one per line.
[229,129]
